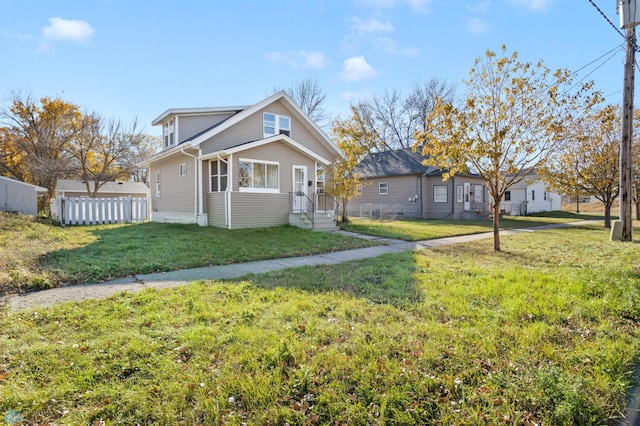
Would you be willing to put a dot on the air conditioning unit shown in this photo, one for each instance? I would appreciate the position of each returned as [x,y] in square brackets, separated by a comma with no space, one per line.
[629,13]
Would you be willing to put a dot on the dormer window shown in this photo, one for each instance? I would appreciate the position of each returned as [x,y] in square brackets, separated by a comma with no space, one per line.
[274,124]
[169,133]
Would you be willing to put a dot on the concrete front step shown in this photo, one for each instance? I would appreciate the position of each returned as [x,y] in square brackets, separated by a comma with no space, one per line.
[322,222]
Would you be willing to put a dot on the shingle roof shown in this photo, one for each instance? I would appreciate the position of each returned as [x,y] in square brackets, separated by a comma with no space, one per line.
[400,162]
[112,187]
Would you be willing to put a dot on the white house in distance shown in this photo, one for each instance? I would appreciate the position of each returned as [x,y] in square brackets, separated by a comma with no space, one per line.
[530,195]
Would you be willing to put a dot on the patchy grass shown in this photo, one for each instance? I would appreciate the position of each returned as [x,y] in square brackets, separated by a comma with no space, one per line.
[418,230]
[36,255]
[545,332]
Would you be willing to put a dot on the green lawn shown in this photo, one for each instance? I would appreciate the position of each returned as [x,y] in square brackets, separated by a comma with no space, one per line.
[545,332]
[417,230]
[36,255]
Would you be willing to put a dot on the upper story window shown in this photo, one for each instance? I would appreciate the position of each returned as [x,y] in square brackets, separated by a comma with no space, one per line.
[274,124]
[383,188]
[168,133]
[507,195]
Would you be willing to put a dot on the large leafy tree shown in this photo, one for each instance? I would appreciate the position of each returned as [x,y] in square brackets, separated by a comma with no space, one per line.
[514,116]
[37,138]
[589,160]
[103,150]
[354,142]
[44,141]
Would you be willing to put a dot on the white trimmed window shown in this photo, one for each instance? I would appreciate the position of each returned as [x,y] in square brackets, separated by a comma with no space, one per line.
[440,194]
[478,193]
[320,179]
[459,194]
[383,188]
[274,124]
[258,176]
[218,173]
[157,183]
[182,169]
[360,190]
[168,133]
[507,195]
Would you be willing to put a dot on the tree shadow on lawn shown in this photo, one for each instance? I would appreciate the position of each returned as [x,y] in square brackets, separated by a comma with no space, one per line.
[386,279]
[121,251]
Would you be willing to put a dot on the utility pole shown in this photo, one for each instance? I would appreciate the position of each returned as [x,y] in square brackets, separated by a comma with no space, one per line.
[627,137]
[629,18]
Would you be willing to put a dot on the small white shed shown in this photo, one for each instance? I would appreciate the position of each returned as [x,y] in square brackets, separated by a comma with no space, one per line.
[19,197]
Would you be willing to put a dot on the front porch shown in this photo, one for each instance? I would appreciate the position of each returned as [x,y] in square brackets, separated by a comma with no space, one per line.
[317,214]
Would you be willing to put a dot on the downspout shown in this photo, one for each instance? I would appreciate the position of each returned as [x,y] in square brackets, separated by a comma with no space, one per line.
[229,189]
[420,179]
[453,196]
[196,201]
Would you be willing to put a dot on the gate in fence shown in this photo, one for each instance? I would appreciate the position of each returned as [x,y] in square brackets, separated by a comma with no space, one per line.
[93,211]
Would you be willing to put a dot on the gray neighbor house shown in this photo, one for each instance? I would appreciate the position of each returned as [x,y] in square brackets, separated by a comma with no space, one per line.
[396,184]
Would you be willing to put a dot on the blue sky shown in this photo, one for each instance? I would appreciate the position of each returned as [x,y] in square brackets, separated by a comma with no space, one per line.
[131,59]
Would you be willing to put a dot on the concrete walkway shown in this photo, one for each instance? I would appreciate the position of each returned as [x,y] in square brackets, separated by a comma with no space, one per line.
[180,277]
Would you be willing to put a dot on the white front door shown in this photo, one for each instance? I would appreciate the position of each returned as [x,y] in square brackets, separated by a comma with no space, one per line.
[300,188]
[467,196]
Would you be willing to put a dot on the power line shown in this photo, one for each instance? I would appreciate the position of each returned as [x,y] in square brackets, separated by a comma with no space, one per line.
[607,19]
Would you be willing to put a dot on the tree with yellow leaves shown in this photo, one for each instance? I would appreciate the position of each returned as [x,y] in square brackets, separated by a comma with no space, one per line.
[36,139]
[589,161]
[354,141]
[514,116]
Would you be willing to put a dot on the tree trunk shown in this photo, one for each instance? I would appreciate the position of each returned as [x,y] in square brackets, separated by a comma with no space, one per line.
[638,210]
[496,227]
[607,215]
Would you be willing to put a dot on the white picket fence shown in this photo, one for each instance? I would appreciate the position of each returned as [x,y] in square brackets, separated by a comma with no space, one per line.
[93,211]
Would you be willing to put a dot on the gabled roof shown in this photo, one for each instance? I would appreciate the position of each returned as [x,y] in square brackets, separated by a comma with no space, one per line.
[276,138]
[172,112]
[239,115]
[401,162]
[68,185]
[38,189]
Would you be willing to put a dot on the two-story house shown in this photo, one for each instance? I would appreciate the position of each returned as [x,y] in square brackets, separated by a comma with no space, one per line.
[238,167]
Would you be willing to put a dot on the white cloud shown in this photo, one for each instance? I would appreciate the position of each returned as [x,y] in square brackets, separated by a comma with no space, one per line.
[535,5]
[68,30]
[477,26]
[299,59]
[370,26]
[416,5]
[357,69]
[15,36]
[391,46]
[482,7]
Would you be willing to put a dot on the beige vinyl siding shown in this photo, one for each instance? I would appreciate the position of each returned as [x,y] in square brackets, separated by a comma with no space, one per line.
[177,194]
[252,209]
[285,156]
[215,208]
[250,129]
[191,125]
